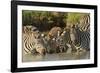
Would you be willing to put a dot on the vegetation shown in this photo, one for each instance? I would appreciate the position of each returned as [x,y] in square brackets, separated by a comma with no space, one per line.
[74,18]
[47,20]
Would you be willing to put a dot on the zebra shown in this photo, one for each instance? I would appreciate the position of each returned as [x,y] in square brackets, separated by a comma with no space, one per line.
[84,23]
[32,42]
[27,39]
[83,38]
[53,32]
[33,45]
[61,41]
[28,43]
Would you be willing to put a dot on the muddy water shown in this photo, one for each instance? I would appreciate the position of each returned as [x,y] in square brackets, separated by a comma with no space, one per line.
[54,57]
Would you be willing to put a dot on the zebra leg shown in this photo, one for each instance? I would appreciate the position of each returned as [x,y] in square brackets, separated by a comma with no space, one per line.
[73,48]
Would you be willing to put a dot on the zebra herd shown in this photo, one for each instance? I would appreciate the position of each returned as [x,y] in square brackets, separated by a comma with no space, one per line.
[56,41]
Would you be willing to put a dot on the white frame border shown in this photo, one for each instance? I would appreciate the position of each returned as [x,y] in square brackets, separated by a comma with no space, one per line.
[52,63]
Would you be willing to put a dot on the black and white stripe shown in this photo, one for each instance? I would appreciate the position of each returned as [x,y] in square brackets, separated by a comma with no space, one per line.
[83,39]
[28,43]
[85,23]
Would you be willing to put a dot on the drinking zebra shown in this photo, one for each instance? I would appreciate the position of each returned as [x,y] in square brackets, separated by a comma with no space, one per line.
[32,43]
[77,39]
[28,43]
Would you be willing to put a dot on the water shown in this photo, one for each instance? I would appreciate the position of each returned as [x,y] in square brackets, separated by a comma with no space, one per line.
[56,57]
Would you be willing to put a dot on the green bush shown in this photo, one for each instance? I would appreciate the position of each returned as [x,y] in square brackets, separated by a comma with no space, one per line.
[45,20]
